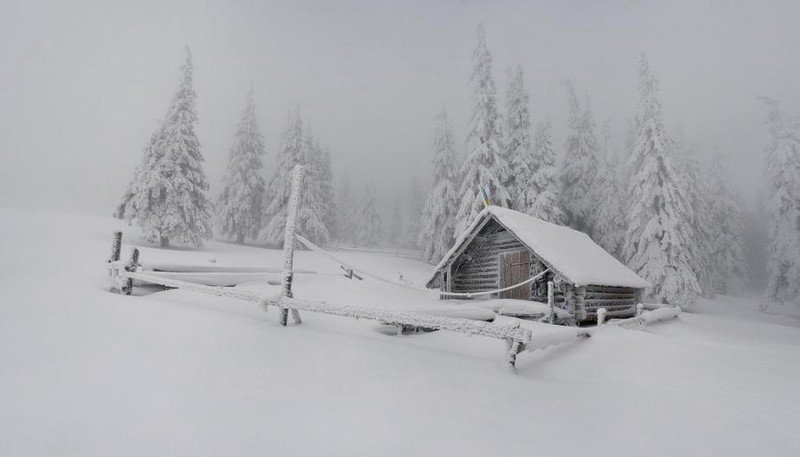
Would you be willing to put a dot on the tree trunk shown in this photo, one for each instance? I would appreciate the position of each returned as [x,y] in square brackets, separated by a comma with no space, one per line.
[164,241]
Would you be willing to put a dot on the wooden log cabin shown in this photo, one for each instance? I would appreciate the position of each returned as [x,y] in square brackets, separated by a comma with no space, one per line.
[503,247]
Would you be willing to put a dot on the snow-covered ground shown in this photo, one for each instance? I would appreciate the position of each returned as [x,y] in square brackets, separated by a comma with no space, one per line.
[84,372]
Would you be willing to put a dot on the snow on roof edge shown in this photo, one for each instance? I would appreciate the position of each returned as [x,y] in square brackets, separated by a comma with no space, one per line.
[571,253]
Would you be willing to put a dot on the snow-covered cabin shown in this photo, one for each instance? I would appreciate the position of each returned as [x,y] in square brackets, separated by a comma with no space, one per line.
[503,247]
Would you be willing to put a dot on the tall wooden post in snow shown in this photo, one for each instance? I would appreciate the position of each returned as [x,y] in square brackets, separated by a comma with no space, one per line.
[288,242]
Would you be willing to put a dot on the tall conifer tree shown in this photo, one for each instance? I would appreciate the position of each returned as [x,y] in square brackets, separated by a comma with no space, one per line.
[517,143]
[783,204]
[580,164]
[169,200]
[657,243]
[438,216]
[484,166]
[240,203]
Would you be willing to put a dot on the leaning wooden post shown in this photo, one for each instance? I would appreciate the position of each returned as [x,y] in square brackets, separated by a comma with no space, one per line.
[131,267]
[513,347]
[551,300]
[288,242]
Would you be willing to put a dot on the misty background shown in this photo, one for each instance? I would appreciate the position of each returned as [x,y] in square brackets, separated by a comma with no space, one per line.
[83,84]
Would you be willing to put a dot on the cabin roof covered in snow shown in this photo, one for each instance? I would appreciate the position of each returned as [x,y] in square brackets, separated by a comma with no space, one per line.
[571,253]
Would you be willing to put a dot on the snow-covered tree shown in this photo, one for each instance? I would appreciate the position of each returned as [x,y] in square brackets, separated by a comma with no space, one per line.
[438,216]
[395,231]
[328,193]
[297,148]
[783,203]
[369,222]
[540,196]
[484,166]
[169,200]
[729,271]
[518,150]
[413,216]
[608,220]
[656,244]
[696,192]
[148,151]
[346,212]
[580,164]
[239,209]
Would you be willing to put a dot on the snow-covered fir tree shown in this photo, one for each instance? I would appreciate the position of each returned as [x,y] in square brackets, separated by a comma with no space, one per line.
[729,271]
[395,231]
[696,192]
[369,221]
[148,151]
[328,193]
[169,200]
[608,220]
[541,195]
[580,164]
[413,216]
[297,148]
[239,210]
[657,244]
[346,212]
[484,166]
[313,214]
[783,203]
[437,224]
[517,142]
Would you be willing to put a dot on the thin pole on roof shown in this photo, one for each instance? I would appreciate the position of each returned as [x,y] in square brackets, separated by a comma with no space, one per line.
[484,193]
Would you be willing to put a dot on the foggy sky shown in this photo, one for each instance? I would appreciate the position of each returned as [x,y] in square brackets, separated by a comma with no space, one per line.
[82,84]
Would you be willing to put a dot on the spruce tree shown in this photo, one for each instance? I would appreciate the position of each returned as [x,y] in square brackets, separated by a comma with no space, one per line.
[580,164]
[729,272]
[484,166]
[328,193]
[369,222]
[541,195]
[240,203]
[169,200]
[609,217]
[657,243]
[695,189]
[395,231]
[149,150]
[346,212]
[518,140]
[437,224]
[783,205]
[413,216]
[297,148]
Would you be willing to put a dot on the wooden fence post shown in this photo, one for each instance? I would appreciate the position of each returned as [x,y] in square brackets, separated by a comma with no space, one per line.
[551,300]
[116,246]
[601,316]
[288,242]
[133,264]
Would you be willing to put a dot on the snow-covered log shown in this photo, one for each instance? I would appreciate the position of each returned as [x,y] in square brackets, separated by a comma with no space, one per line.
[651,317]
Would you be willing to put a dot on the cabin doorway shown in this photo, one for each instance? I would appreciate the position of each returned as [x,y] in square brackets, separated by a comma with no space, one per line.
[515,267]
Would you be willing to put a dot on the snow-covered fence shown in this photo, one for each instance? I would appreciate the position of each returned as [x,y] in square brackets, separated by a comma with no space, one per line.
[517,338]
